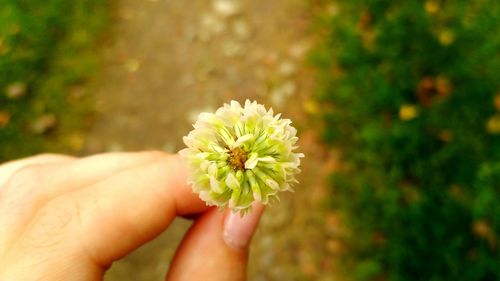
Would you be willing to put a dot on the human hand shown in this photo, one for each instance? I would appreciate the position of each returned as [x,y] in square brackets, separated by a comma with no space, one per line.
[64,218]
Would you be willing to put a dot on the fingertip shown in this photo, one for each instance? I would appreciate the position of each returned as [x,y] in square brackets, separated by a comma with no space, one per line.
[187,202]
[239,230]
[203,254]
[216,247]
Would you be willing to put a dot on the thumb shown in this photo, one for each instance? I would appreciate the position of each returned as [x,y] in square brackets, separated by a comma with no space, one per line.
[216,247]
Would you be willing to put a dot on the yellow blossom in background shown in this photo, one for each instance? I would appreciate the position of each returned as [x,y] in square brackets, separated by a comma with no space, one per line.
[493,124]
[432,6]
[446,37]
[408,112]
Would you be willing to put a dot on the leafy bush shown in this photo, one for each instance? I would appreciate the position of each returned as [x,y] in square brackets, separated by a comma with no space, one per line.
[413,95]
[46,52]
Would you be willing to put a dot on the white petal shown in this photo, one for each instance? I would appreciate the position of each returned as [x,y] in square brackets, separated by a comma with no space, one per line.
[239,129]
[186,152]
[235,105]
[257,194]
[235,196]
[204,165]
[215,185]
[212,169]
[241,140]
[273,184]
[252,161]
[232,182]
[267,159]
[217,148]
[226,136]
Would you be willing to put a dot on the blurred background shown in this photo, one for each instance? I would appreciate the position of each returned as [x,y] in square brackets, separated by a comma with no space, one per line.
[397,104]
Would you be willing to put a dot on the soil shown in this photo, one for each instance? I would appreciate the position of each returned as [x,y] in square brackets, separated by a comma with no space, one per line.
[167,61]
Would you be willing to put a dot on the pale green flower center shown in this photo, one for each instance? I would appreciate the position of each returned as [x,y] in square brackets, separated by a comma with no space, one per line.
[237,158]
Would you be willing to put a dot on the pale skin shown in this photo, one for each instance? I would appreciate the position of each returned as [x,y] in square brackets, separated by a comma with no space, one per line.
[66,218]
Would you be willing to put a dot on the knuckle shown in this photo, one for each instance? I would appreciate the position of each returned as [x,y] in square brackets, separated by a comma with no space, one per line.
[34,173]
[22,188]
[50,224]
[57,214]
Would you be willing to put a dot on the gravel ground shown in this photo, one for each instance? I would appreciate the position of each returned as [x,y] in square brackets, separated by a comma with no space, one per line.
[168,60]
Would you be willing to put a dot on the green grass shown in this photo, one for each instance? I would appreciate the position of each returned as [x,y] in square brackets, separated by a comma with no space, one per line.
[412,90]
[48,48]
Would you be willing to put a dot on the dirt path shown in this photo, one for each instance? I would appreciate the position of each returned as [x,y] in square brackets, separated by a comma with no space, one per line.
[168,60]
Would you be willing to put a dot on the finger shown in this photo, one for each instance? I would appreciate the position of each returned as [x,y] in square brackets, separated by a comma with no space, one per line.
[216,247]
[123,212]
[57,177]
[81,172]
[9,168]
[93,168]
[33,185]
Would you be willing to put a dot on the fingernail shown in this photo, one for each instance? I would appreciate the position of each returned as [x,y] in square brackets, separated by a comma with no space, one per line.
[239,230]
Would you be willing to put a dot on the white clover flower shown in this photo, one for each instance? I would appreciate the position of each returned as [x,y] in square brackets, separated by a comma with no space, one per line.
[239,155]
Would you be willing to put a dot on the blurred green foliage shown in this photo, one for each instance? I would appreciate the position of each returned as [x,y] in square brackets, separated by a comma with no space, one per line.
[412,90]
[47,50]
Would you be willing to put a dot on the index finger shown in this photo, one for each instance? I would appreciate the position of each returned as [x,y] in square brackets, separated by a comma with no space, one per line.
[122,212]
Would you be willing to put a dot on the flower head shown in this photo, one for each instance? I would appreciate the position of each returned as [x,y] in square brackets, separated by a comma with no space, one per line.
[239,155]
